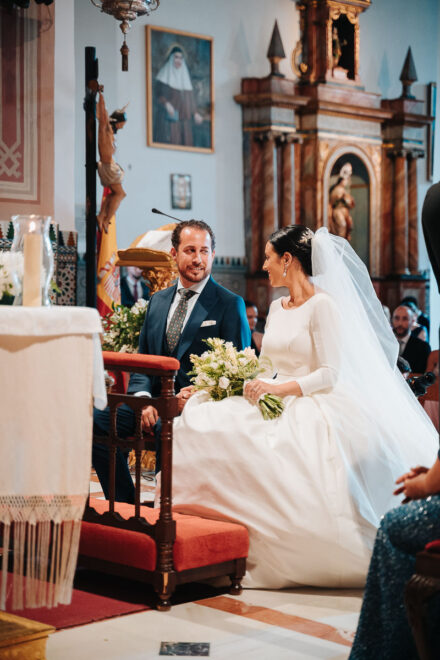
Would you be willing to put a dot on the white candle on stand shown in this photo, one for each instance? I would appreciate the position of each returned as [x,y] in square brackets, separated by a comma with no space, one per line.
[32,257]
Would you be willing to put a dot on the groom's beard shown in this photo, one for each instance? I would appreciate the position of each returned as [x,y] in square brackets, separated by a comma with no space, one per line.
[196,273]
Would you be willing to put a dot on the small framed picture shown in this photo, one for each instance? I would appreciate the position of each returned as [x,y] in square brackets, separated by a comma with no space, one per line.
[181,197]
[180,90]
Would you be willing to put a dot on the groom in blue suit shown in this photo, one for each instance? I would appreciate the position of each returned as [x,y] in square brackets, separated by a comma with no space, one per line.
[178,320]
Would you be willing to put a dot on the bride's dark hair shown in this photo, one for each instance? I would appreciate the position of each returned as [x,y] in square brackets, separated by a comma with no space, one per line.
[297,240]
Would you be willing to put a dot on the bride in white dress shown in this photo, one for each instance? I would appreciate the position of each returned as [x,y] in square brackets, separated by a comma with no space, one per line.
[311,485]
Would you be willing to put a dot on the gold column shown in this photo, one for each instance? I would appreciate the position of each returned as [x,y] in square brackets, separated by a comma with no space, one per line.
[400,215]
[286,182]
[413,237]
[269,215]
[256,203]
[297,178]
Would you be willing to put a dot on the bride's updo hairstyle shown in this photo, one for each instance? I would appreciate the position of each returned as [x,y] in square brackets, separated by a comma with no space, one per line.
[297,240]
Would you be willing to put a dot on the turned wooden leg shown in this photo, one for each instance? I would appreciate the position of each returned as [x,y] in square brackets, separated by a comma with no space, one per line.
[162,604]
[164,584]
[418,591]
[240,569]
[235,589]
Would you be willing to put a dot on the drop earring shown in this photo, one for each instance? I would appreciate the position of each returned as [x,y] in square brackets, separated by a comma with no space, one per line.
[285,270]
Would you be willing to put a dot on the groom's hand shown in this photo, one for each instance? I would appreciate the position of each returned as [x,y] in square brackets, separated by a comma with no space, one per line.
[149,418]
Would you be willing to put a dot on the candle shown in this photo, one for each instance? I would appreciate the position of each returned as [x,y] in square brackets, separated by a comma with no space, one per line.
[32,256]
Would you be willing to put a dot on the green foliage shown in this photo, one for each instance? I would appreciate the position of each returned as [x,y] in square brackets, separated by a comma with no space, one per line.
[123,326]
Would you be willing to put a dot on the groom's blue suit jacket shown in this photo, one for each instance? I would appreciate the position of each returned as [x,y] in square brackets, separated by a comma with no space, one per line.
[217,313]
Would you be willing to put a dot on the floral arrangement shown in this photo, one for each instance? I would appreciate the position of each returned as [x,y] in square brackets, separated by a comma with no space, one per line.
[10,263]
[223,371]
[123,326]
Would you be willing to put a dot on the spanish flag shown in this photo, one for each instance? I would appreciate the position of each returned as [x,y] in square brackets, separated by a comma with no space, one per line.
[108,290]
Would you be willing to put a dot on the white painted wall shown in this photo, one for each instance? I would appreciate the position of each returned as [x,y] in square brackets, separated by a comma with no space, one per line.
[241,30]
[64,115]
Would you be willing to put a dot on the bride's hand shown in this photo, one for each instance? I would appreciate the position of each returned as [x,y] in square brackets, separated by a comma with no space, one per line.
[183,396]
[255,388]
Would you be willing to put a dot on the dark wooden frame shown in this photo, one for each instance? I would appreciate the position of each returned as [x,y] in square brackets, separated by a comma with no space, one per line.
[424,584]
[164,578]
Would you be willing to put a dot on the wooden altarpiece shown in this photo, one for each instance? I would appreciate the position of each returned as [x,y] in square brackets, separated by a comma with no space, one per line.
[298,133]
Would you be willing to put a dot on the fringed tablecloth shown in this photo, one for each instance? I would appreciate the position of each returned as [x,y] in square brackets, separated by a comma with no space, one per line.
[51,371]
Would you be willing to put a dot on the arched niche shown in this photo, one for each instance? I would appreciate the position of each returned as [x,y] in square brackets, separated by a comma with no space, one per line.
[364,190]
[343,45]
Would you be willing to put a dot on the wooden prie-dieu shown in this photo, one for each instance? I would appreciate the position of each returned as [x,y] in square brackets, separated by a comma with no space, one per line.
[155,545]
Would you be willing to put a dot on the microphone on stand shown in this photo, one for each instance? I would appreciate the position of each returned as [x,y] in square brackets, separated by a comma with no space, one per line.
[166,215]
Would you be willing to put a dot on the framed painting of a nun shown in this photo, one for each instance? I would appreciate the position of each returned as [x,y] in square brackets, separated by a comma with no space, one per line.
[180,90]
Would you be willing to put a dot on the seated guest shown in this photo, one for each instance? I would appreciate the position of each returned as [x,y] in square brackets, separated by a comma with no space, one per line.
[412,349]
[178,319]
[133,287]
[417,330]
[421,318]
[383,630]
[252,317]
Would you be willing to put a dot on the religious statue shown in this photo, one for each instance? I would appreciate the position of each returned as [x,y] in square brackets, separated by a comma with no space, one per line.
[110,173]
[336,47]
[340,220]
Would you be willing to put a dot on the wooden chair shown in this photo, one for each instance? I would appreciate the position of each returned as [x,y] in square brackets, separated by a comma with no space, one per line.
[156,546]
[430,401]
[424,584]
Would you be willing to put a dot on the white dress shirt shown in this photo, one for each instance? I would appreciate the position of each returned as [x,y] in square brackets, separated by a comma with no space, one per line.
[197,288]
[403,342]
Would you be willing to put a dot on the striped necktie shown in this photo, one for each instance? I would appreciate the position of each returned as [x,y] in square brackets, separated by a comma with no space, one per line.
[176,323]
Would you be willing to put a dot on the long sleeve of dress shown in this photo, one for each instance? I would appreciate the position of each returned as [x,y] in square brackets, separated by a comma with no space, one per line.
[325,330]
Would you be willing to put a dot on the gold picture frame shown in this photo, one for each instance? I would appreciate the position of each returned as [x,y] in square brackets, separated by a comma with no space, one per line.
[180,90]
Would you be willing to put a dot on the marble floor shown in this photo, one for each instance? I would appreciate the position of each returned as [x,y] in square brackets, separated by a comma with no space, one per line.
[296,624]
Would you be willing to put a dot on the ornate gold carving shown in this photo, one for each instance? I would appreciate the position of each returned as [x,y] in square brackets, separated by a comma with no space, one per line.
[335,13]
[159,278]
[356,48]
[329,43]
[350,13]
[298,67]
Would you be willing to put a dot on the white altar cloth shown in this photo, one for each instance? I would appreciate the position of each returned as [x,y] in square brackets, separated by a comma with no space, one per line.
[51,371]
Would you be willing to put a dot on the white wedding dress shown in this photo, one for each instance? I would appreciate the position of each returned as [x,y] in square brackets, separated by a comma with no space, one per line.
[311,485]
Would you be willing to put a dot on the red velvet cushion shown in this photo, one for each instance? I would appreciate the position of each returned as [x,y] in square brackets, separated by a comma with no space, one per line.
[159,362]
[199,541]
[434,546]
[121,381]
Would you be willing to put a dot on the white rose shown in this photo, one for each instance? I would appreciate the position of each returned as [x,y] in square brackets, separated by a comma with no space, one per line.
[223,382]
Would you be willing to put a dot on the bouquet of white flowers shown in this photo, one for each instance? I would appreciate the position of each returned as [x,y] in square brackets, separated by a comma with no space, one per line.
[222,371]
[123,326]
[10,262]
